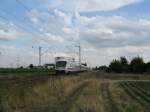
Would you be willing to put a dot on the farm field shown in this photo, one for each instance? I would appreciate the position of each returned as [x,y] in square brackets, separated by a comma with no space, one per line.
[85,92]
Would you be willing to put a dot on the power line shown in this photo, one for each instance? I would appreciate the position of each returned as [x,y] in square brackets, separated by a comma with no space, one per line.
[28,9]
[3,18]
[19,26]
[40,55]
[9,14]
[24,6]
[40,48]
[7,20]
[36,35]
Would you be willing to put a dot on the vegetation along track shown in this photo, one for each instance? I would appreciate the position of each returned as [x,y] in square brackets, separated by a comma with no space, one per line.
[136,94]
[66,105]
[109,104]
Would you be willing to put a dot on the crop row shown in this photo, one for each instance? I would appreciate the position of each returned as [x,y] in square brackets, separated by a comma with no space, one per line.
[136,91]
[144,88]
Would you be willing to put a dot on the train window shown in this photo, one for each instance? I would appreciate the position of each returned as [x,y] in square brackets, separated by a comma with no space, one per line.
[61,64]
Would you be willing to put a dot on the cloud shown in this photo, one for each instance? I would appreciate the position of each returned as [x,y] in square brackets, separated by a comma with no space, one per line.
[5,47]
[52,27]
[10,32]
[33,14]
[10,54]
[114,31]
[59,23]
[66,17]
[88,5]
[104,37]
[54,38]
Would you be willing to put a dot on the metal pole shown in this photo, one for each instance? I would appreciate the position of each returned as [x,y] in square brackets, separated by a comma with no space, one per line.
[40,55]
[18,62]
[33,55]
[79,55]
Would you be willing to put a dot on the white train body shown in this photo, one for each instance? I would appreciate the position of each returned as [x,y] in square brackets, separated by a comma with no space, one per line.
[67,64]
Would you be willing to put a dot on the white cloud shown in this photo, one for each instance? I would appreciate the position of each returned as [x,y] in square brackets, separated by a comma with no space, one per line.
[9,32]
[88,5]
[10,54]
[114,31]
[66,17]
[33,14]
[102,37]
[60,24]
[5,47]
[54,38]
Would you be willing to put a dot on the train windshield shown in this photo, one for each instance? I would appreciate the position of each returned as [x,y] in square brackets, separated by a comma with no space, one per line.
[61,64]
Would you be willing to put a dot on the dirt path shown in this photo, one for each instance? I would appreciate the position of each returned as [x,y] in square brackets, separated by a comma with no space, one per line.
[109,104]
[71,98]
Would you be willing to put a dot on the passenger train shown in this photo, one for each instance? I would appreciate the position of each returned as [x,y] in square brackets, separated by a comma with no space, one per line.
[68,65]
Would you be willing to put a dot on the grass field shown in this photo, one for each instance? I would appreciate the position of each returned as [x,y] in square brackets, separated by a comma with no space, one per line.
[85,92]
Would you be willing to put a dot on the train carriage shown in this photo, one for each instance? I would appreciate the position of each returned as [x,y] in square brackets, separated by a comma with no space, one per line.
[67,65]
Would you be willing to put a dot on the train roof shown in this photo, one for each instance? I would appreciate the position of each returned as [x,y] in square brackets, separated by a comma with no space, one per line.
[64,59]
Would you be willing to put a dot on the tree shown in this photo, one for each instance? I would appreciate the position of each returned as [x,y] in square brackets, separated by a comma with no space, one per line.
[96,68]
[21,67]
[147,67]
[104,68]
[115,66]
[124,64]
[137,65]
[31,66]
[123,60]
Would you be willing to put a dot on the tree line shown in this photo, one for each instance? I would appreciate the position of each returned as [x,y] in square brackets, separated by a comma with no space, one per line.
[122,65]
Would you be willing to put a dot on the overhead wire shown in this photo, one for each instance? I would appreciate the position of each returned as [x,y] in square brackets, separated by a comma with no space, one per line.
[25,7]
[41,33]
[37,35]
[28,9]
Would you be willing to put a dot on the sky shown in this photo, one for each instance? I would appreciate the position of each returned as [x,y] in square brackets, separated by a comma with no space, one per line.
[105,30]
